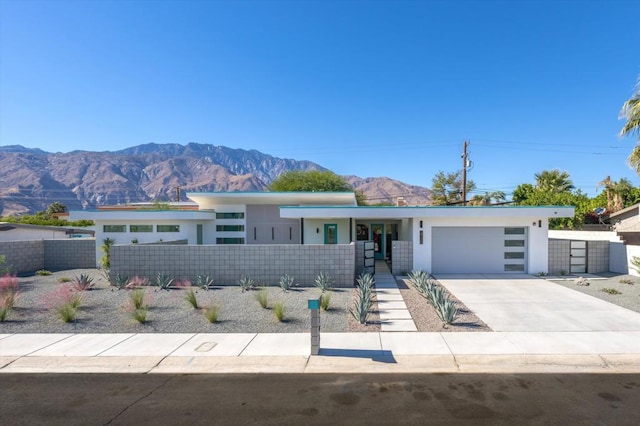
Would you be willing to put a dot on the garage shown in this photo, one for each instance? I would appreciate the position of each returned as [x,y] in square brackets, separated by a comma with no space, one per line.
[478,250]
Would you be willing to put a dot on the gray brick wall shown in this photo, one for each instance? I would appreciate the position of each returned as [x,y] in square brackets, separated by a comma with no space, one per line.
[597,256]
[23,256]
[559,260]
[226,264]
[72,253]
[401,257]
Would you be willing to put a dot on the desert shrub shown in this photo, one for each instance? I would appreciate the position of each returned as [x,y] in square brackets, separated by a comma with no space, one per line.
[3,269]
[4,310]
[67,312]
[446,311]
[610,290]
[163,281]
[64,280]
[120,281]
[279,311]
[137,282]
[105,247]
[204,281]
[191,298]
[286,282]
[246,283]
[211,313]
[262,297]
[140,315]
[325,298]
[83,283]
[43,272]
[324,282]
[65,301]
[626,281]
[137,298]
[360,309]
[8,294]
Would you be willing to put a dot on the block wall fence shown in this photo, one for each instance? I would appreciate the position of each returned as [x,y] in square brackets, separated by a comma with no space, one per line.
[29,256]
[227,264]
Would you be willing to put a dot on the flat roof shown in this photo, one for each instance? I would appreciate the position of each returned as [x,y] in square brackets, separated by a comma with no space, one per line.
[211,199]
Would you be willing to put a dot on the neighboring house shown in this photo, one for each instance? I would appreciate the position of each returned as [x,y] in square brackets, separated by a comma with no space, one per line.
[24,232]
[436,238]
[626,224]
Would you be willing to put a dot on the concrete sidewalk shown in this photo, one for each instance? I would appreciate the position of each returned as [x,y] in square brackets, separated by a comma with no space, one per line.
[393,352]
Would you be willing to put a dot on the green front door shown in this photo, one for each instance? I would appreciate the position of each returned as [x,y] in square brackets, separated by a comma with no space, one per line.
[330,233]
[377,235]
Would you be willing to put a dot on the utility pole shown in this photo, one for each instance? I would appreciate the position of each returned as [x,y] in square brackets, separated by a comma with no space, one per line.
[177,193]
[464,173]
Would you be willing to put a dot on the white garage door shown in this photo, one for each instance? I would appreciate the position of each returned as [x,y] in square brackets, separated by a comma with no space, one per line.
[487,250]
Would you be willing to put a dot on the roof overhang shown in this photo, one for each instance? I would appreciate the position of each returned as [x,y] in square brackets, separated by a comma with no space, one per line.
[392,212]
[209,200]
[142,215]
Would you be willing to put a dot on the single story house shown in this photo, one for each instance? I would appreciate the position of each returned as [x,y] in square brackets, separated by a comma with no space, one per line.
[10,231]
[438,239]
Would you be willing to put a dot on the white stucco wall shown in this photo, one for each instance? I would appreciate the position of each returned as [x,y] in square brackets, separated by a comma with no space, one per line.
[584,235]
[538,247]
[632,251]
[21,234]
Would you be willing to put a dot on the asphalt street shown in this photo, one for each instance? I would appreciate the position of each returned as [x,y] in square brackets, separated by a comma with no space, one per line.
[308,399]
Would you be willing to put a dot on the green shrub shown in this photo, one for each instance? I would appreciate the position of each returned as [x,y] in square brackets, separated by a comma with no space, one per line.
[325,298]
[64,280]
[43,272]
[191,298]
[323,282]
[626,281]
[67,312]
[262,297]
[247,283]
[204,281]
[361,306]
[8,291]
[4,310]
[137,299]
[446,311]
[120,281]
[140,315]
[105,247]
[163,281]
[211,313]
[286,282]
[610,290]
[279,311]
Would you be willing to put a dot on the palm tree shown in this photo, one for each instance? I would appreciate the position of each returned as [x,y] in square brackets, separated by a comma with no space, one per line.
[617,193]
[487,198]
[631,113]
[554,181]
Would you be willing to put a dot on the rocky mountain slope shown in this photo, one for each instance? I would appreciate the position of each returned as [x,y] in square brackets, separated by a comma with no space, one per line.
[31,179]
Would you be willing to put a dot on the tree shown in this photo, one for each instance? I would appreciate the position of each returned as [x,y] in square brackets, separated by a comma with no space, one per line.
[619,194]
[487,199]
[554,181]
[56,207]
[631,113]
[314,181]
[447,188]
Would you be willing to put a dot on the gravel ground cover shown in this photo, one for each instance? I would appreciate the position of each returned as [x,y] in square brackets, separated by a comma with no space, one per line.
[425,316]
[106,310]
[629,294]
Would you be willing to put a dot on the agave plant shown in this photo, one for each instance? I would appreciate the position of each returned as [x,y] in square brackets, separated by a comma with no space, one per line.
[361,306]
[323,282]
[163,281]
[121,281]
[83,282]
[204,281]
[286,282]
[447,311]
[247,283]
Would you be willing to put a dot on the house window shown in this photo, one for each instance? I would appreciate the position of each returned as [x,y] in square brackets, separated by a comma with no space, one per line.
[514,231]
[514,268]
[230,215]
[514,255]
[230,228]
[140,228]
[168,228]
[114,228]
[229,240]
[514,243]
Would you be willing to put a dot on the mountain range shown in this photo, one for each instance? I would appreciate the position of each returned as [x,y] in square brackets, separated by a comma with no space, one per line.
[31,179]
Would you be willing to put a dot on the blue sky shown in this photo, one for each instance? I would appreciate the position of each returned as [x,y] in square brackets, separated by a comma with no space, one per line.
[371,88]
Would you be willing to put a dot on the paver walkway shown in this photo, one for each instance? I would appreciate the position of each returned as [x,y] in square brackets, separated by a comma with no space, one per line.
[394,315]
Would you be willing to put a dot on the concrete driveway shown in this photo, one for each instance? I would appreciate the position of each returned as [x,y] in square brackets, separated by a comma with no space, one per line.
[528,303]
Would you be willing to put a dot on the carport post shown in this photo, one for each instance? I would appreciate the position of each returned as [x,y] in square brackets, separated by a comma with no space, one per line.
[314,308]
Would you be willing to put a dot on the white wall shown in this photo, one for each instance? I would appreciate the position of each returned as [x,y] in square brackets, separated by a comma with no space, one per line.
[24,234]
[538,246]
[631,252]
[584,235]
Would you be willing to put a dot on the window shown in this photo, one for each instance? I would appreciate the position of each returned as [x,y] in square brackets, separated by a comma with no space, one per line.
[514,255]
[237,215]
[114,228]
[514,268]
[140,228]
[168,228]
[230,228]
[514,231]
[229,240]
[514,243]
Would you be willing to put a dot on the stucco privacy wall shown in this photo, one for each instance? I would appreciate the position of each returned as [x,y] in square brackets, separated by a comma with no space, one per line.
[598,256]
[28,256]
[227,263]
[598,243]
[401,257]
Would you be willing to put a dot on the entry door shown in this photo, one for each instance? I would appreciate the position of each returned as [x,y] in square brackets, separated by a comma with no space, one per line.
[377,235]
[199,234]
[578,253]
[330,233]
